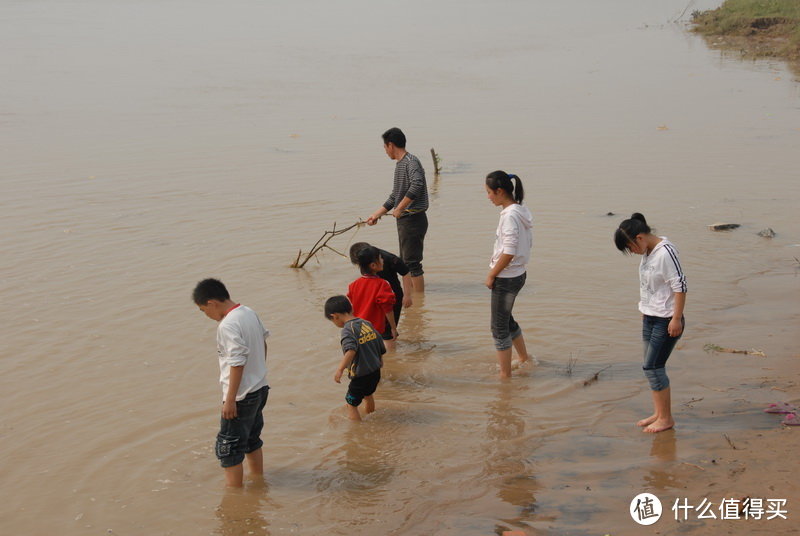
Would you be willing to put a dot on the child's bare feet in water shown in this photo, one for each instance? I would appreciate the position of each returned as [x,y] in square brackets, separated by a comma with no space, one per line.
[659,425]
[526,363]
[650,420]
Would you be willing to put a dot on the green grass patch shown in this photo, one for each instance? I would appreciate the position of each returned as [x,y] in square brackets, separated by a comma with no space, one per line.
[764,20]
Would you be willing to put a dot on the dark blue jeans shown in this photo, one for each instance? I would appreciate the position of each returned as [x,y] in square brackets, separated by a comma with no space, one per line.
[658,346]
[504,328]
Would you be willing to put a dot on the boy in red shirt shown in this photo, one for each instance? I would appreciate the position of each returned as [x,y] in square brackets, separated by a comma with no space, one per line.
[371,296]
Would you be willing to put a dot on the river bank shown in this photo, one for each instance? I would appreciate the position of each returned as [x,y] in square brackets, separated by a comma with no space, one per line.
[756,29]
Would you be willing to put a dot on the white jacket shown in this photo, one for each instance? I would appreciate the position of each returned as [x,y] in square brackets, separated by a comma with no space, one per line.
[240,343]
[514,237]
[660,277]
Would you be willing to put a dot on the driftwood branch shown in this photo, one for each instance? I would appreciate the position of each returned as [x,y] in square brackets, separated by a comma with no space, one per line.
[323,243]
[594,377]
[436,162]
[693,401]
[713,348]
[730,442]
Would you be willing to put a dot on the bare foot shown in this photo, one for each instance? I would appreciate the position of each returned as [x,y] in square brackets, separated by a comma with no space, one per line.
[520,363]
[659,425]
[650,420]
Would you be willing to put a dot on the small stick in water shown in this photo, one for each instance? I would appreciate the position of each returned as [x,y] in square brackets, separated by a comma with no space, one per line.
[593,378]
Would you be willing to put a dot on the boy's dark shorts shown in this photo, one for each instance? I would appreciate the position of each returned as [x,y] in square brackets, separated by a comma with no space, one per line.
[362,386]
[242,434]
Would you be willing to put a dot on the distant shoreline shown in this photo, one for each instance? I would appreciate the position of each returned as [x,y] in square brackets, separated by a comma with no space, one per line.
[756,29]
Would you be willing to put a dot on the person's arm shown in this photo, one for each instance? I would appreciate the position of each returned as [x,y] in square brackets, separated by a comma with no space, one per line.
[401,206]
[236,353]
[400,267]
[416,187]
[675,326]
[385,299]
[373,219]
[229,406]
[509,237]
[499,266]
[347,358]
[407,288]
[676,279]
[392,324]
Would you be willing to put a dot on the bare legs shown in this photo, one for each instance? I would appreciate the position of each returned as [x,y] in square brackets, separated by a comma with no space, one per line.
[255,462]
[522,350]
[369,407]
[234,476]
[504,356]
[504,360]
[661,419]
[369,404]
[419,283]
[352,413]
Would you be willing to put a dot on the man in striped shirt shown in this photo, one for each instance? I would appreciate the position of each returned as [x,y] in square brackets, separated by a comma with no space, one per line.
[408,203]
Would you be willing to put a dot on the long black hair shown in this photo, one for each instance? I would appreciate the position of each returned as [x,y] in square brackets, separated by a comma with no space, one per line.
[502,180]
[627,231]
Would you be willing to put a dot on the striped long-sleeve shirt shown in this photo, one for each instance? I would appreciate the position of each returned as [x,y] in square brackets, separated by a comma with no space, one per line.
[660,277]
[409,181]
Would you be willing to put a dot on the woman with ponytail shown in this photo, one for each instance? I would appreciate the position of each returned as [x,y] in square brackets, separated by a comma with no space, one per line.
[662,298]
[512,250]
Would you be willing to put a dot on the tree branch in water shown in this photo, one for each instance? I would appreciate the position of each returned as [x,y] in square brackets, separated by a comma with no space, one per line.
[323,243]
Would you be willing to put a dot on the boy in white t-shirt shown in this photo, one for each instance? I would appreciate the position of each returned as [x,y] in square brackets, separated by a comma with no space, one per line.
[242,350]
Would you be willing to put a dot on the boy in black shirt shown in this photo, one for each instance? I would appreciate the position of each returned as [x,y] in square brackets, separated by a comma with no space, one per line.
[363,348]
[393,266]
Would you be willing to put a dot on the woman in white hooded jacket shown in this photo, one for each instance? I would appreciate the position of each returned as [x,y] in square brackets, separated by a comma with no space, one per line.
[662,299]
[512,250]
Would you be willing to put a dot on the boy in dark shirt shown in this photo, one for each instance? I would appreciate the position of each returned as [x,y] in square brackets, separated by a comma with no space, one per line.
[393,266]
[371,296]
[363,348]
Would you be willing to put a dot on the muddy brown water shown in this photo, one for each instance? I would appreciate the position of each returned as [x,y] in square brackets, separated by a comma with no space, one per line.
[148,145]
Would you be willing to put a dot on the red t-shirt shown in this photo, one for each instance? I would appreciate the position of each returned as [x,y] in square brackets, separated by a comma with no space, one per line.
[372,300]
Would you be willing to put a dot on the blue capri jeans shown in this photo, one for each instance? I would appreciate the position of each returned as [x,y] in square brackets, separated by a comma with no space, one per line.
[658,346]
[504,328]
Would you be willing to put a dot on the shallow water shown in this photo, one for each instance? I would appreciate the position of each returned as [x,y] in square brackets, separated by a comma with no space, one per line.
[149,145]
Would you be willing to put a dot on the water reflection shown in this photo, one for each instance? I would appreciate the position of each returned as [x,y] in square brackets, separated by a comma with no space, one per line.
[413,328]
[664,453]
[357,472]
[509,450]
[241,511]
[367,463]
